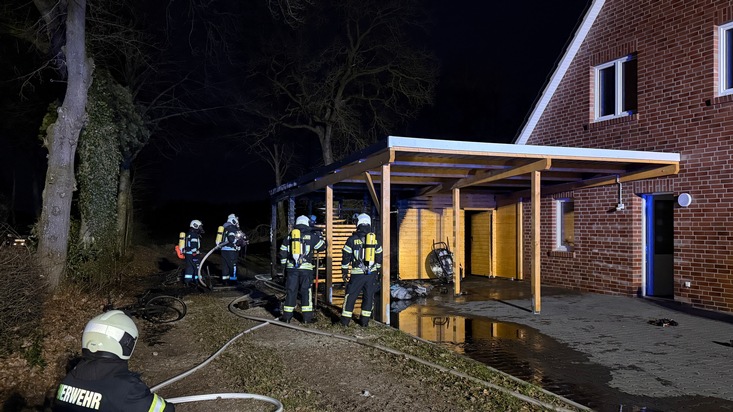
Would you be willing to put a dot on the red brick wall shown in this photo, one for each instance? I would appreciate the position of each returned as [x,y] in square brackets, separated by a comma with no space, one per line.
[679,111]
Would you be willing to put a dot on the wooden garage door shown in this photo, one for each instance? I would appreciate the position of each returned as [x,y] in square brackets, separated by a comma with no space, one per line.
[506,241]
[480,246]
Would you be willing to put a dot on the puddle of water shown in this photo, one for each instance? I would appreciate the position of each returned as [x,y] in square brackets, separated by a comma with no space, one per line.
[513,349]
[526,354]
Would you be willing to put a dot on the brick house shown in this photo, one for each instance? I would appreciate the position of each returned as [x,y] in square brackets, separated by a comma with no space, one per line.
[651,76]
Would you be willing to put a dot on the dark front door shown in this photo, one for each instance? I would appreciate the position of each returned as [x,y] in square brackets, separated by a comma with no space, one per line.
[660,245]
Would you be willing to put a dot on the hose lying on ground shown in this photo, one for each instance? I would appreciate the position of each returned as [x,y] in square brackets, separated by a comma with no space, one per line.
[214,396]
[515,394]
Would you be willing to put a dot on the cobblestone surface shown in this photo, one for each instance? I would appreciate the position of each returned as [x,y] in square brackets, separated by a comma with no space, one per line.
[691,359]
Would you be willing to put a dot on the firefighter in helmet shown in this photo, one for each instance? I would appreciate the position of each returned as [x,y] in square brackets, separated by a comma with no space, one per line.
[232,240]
[192,251]
[362,253]
[102,381]
[297,257]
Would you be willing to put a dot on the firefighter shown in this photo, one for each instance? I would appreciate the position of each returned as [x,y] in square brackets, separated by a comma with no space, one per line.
[232,239]
[362,253]
[192,252]
[297,257]
[102,381]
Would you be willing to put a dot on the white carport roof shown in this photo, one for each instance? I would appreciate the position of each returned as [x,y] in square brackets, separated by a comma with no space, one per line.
[427,166]
[510,172]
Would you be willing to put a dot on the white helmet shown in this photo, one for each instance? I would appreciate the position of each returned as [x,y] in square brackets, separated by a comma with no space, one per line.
[363,219]
[112,332]
[302,220]
[195,224]
[233,219]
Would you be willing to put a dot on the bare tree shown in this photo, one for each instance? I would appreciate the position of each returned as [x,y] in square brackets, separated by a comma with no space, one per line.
[63,135]
[279,156]
[347,80]
[292,12]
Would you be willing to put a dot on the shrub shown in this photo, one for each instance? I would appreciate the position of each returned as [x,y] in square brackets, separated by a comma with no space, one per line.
[21,298]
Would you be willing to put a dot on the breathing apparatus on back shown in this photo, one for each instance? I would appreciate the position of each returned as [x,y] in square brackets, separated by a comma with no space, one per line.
[180,247]
[298,250]
[365,255]
[219,234]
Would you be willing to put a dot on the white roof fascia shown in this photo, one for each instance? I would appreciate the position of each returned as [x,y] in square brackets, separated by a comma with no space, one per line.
[530,151]
[562,68]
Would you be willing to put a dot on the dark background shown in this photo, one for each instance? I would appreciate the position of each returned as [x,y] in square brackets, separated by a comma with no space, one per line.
[495,59]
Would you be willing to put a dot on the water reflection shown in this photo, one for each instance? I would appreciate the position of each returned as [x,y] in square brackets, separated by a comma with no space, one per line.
[524,353]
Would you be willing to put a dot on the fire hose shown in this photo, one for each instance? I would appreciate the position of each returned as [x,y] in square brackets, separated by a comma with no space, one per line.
[278,404]
[215,396]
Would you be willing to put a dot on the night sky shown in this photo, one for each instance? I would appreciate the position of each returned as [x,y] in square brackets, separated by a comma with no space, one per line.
[495,58]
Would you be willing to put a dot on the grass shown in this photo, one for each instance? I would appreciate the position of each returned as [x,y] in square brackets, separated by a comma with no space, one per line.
[218,326]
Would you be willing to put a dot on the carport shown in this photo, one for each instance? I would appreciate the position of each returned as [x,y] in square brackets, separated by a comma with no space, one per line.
[508,172]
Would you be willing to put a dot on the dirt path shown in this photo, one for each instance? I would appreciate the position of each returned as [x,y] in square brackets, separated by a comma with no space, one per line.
[336,370]
[304,371]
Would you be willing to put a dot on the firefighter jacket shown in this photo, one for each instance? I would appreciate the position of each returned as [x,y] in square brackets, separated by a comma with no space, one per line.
[105,384]
[193,242]
[354,252]
[311,241]
[233,237]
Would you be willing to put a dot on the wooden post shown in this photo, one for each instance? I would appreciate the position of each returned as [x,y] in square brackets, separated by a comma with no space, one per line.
[273,240]
[492,242]
[291,213]
[386,246]
[536,300]
[457,261]
[329,240]
[520,240]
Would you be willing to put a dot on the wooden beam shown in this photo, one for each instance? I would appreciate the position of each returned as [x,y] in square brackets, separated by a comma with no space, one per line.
[430,190]
[667,170]
[372,191]
[493,175]
[402,180]
[641,175]
[345,172]
[536,199]
[386,247]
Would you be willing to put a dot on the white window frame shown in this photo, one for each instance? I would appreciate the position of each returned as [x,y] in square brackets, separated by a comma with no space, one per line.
[560,225]
[618,92]
[724,60]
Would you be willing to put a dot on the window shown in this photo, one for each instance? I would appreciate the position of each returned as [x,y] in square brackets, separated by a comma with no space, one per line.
[725,72]
[565,225]
[615,88]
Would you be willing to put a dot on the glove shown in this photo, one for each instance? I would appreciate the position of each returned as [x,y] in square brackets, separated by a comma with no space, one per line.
[345,275]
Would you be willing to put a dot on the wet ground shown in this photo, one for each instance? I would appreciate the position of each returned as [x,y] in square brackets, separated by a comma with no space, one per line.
[597,350]
[609,353]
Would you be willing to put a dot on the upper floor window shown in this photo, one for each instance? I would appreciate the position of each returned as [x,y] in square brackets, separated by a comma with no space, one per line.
[725,52]
[615,88]
[565,224]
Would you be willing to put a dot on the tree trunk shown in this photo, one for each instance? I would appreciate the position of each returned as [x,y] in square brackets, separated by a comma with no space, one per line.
[63,137]
[124,196]
[324,136]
